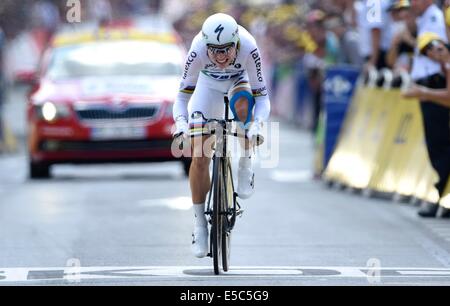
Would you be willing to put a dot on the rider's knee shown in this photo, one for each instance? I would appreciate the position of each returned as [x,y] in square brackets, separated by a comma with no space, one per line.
[242,103]
[241,108]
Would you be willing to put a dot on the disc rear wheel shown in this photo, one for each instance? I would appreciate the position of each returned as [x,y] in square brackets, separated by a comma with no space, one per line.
[228,205]
[216,226]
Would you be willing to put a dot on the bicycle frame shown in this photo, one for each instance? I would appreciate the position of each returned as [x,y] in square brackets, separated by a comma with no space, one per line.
[222,147]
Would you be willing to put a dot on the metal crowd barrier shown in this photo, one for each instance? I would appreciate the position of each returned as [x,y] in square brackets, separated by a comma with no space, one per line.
[381,146]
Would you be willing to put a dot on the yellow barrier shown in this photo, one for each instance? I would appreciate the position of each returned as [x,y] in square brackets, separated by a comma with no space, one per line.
[382,147]
[445,201]
[9,143]
[345,156]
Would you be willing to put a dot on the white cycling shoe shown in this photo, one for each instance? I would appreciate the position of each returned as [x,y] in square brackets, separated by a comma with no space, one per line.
[246,183]
[200,241]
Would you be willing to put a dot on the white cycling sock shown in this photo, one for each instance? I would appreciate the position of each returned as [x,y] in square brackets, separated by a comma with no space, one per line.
[199,215]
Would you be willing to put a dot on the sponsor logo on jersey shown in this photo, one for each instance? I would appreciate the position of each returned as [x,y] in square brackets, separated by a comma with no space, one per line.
[211,66]
[257,59]
[259,92]
[189,62]
[223,76]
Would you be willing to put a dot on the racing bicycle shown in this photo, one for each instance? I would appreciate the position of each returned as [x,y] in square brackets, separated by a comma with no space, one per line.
[222,207]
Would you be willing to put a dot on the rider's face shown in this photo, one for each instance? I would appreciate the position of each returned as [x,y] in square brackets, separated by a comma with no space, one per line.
[222,57]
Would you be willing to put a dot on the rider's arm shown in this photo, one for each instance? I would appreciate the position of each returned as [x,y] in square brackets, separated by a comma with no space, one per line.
[258,85]
[188,82]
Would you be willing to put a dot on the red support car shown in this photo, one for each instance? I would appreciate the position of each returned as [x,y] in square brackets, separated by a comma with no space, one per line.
[104,95]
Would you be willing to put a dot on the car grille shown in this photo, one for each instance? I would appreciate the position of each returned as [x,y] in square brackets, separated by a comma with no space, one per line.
[123,145]
[107,113]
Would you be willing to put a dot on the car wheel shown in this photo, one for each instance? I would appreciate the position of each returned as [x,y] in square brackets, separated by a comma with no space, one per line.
[39,171]
[187,166]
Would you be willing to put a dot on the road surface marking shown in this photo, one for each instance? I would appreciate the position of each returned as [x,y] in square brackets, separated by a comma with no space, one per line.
[69,274]
[176,203]
[290,176]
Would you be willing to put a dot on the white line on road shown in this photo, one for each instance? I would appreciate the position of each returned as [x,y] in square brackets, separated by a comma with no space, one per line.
[290,176]
[77,274]
[176,203]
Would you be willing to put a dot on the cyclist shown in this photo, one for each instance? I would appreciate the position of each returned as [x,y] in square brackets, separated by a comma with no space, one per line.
[224,59]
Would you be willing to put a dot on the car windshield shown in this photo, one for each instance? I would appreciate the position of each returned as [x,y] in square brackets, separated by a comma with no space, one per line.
[119,58]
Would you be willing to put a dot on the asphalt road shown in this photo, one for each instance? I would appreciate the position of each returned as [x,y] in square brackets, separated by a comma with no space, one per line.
[131,225]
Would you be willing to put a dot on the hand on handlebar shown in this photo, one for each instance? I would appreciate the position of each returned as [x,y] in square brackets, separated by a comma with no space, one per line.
[254,133]
[181,133]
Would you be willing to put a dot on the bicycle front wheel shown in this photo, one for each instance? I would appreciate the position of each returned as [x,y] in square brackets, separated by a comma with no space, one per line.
[216,224]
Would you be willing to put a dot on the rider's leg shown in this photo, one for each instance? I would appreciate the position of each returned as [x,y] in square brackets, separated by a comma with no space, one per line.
[199,173]
[201,108]
[200,183]
[242,106]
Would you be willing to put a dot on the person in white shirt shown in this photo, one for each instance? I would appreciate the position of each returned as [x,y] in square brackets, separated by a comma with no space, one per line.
[224,59]
[429,73]
[375,31]
[431,19]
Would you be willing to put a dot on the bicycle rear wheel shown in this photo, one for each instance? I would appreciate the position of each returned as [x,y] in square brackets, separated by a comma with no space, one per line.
[216,220]
[227,208]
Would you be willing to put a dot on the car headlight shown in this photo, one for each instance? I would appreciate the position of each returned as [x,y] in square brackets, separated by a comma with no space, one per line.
[50,111]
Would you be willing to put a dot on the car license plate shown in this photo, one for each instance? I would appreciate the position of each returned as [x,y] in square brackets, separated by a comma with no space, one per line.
[118,132]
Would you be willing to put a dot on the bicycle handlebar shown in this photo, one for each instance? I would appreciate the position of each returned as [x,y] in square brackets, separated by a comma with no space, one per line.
[223,124]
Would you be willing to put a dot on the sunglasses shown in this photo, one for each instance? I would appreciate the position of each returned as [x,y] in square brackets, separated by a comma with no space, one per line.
[220,49]
[433,44]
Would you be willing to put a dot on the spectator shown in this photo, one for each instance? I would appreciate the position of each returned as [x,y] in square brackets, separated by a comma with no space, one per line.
[348,41]
[435,117]
[100,11]
[2,44]
[45,15]
[375,26]
[347,11]
[129,8]
[400,55]
[326,52]
[446,8]
[328,47]
[433,47]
